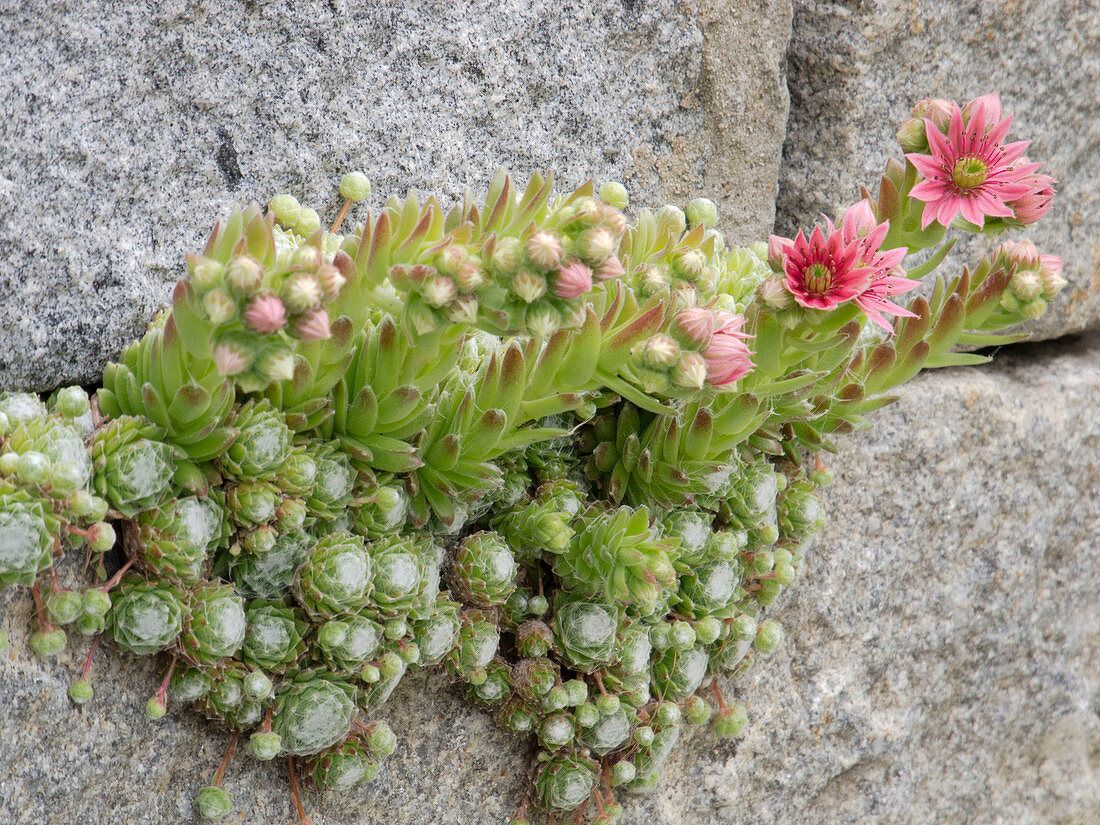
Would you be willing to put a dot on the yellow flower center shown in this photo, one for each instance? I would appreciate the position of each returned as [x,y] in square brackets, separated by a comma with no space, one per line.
[969,172]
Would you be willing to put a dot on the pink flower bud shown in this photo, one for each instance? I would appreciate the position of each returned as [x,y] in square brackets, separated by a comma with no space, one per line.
[243,275]
[613,219]
[544,250]
[313,327]
[528,286]
[936,110]
[332,281]
[690,372]
[989,104]
[1020,254]
[573,280]
[859,221]
[462,310]
[728,323]
[450,259]
[230,359]
[610,270]
[1036,203]
[654,280]
[777,251]
[506,254]
[1051,275]
[277,365]
[694,326]
[302,292]
[727,359]
[912,136]
[266,314]
[469,278]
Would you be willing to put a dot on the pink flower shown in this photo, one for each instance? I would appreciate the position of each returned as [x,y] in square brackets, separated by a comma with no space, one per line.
[935,109]
[821,271]
[990,106]
[1036,203]
[313,327]
[970,171]
[574,279]
[266,314]
[873,300]
[728,358]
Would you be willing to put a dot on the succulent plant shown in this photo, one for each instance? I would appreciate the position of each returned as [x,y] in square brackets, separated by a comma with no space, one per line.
[133,470]
[335,577]
[481,570]
[566,780]
[214,624]
[28,535]
[144,617]
[175,540]
[313,711]
[275,638]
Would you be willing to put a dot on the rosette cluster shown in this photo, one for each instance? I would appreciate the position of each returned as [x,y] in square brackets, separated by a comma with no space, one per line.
[570,458]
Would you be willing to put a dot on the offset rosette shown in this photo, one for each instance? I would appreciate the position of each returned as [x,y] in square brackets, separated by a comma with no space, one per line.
[275,639]
[615,556]
[214,624]
[565,780]
[335,578]
[347,644]
[481,570]
[679,673]
[175,541]
[270,575]
[334,482]
[28,535]
[478,639]
[133,470]
[262,446]
[438,632]
[612,731]
[61,441]
[313,711]
[584,632]
[144,617]
[401,573]
[346,764]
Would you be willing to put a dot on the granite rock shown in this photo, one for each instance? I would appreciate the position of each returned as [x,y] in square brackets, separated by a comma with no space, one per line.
[130,130]
[856,68]
[941,662]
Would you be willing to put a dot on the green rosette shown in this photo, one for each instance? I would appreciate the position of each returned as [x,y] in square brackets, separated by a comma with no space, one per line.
[262,447]
[275,639]
[313,711]
[481,570]
[133,470]
[28,535]
[335,578]
[214,625]
[145,616]
[565,780]
[584,632]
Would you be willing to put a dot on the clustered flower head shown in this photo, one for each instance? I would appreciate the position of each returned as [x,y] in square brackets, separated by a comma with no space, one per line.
[569,457]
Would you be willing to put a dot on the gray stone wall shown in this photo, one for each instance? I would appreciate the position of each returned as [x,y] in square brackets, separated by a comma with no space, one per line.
[941,655]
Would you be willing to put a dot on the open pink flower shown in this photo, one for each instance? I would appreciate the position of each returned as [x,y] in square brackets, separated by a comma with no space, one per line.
[970,170]
[859,226]
[874,301]
[728,357]
[822,271]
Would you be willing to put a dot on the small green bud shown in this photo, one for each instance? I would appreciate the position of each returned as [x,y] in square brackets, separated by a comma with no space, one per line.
[99,509]
[707,630]
[477,677]
[308,222]
[762,562]
[538,605]
[9,462]
[102,537]
[1034,310]
[219,307]
[744,627]
[71,402]
[390,665]
[614,194]
[587,715]
[577,691]
[701,211]
[660,636]
[768,591]
[264,746]
[556,699]
[614,810]
[286,210]
[257,685]
[354,186]
[332,634]
[674,216]
[682,635]
[90,625]
[784,573]
[95,602]
[46,643]
[33,468]
[370,674]
[81,692]
[643,735]
[381,741]
[668,713]
[213,804]
[623,772]
[409,653]
[395,629]
[697,711]
[64,606]
[730,721]
[768,636]
[608,704]
[155,708]
[768,534]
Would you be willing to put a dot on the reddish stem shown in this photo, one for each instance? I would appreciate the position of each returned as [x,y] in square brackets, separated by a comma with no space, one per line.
[43,622]
[717,691]
[88,659]
[162,691]
[599,683]
[295,797]
[267,720]
[117,577]
[340,217]
[225,759]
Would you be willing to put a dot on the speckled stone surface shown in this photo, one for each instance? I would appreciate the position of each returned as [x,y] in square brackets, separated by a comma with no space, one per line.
[130,129]
[942,662]
[856,67]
